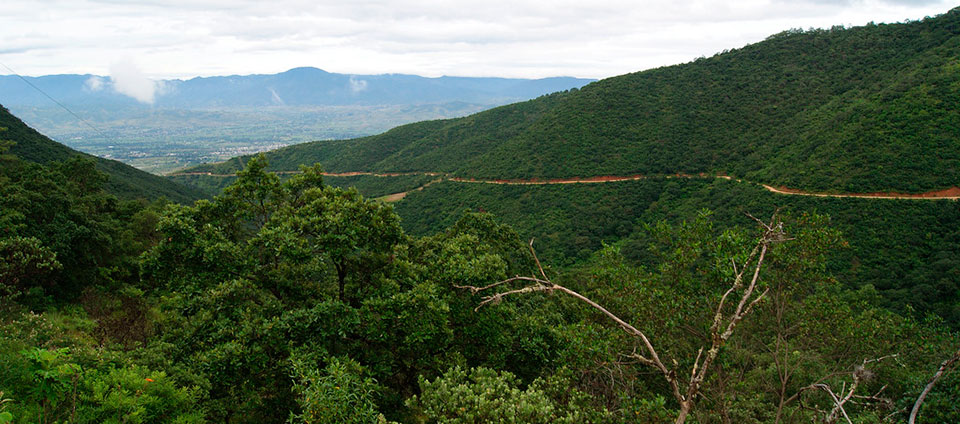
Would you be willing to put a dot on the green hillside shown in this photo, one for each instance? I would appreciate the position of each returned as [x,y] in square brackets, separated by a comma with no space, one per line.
[843,109]
[908,251]
[124,181]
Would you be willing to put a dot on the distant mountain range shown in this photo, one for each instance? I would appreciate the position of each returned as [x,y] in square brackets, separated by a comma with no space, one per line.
[296,87]
[177,123]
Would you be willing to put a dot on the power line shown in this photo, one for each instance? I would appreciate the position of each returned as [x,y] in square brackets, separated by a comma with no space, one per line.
[95,129]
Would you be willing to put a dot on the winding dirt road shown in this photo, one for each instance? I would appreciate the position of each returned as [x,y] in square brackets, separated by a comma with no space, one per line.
[952,193]
[326,174]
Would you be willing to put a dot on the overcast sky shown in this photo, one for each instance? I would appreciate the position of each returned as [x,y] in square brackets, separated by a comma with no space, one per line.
[510,38]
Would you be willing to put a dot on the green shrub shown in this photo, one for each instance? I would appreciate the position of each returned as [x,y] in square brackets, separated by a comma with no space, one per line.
[337,395]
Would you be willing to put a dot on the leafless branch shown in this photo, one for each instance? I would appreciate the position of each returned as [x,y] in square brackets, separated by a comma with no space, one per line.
[773,233]
[944,367]
[540,267]
[859,375]
[480,289]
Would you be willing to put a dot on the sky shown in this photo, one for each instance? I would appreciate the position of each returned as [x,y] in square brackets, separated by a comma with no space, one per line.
[167,39]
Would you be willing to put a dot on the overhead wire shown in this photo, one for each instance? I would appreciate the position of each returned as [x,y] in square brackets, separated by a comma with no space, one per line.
[95,129]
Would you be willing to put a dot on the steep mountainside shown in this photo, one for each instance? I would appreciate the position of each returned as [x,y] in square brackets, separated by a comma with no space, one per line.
[125,181]
[862,109]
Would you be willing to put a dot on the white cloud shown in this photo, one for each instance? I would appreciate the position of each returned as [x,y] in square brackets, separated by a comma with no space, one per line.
[357,85]
[518,38]
[94,83]
[128,80]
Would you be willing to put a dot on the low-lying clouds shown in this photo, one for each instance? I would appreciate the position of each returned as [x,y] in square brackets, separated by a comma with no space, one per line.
[125,78]
[94,83]
[512,38]
[128,80]
[357,85]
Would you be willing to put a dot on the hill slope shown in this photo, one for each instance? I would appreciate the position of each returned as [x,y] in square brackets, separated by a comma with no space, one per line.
[862,109]
[124,181]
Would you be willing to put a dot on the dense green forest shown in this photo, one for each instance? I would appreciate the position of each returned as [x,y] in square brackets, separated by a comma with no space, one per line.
[906,250]
[295,298]
[369,185]
[860,109]
[124,181]
[295,301]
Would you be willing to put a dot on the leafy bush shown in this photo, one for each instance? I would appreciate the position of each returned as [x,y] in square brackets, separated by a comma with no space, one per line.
[482,395]
[136,395]
[339,394]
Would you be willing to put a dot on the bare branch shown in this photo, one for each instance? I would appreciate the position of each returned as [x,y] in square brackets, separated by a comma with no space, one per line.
[773,233]
[540,267]
[480,289]
[859,375]
[944,366]
[547,285]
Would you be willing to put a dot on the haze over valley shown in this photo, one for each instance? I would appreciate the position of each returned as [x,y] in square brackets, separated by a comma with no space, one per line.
[163,125]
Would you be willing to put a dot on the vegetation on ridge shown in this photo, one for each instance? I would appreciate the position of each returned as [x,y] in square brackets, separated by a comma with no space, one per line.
[293,301]
[859,109]
[123,180]
[290,300]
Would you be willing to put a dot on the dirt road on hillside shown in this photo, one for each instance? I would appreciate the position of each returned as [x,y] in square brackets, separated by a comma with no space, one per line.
[952,193]
[326,174]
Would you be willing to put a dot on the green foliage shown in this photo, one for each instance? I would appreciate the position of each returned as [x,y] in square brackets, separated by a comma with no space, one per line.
[273,266]
[281,278]
[124,181]
[60,232]
[905,249]
[370,186]
[338,394]
[806,330]
[483,395]
[940,405]
[55,377]
[24,259]
[862,109]
[350,231]
[136,395]
[81,382]
[5,416]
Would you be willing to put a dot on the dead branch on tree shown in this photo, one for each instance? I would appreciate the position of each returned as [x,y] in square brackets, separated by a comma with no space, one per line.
[722,327]
[859,375]
[944,368]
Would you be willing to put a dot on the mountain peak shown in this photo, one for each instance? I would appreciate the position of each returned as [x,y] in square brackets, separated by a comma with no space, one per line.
[304,70]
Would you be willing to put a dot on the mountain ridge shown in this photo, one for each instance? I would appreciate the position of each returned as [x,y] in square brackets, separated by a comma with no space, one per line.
[862,109]
[124,181]
[303,86]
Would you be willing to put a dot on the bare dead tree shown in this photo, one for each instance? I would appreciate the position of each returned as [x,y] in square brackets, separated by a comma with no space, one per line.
[744,285]
[945,366]
[860,375]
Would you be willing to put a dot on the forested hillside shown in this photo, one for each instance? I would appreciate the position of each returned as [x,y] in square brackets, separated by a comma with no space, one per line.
[908,251]
[294,301]
[687,299]
[122,180]
[860,109]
